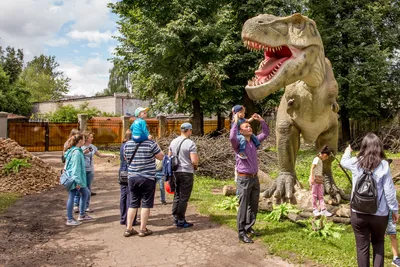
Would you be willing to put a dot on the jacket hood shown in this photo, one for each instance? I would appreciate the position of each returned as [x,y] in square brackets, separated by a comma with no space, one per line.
[69,151]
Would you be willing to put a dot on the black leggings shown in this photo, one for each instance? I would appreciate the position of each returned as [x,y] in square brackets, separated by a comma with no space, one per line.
[369,229]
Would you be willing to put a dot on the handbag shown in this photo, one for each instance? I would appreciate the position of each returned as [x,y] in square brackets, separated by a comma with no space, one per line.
[66,178]
[123,175]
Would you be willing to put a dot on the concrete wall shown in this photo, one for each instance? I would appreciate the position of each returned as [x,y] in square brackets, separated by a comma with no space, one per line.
[117,104]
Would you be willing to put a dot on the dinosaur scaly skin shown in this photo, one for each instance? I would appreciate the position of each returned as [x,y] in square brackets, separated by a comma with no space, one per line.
[294,58]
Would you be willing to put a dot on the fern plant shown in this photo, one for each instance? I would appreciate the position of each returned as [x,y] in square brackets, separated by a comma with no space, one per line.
[281,211]
[15,165]
[320,228]
[229,203]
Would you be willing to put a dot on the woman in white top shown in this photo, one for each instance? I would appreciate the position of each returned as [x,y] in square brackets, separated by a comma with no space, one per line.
[370,228]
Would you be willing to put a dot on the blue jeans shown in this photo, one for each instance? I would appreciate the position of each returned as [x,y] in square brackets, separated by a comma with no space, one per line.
[84,193]
[242,142]
[89,181]
[160,181]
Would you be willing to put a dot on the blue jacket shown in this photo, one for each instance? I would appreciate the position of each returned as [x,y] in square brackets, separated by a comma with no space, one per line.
[167,168]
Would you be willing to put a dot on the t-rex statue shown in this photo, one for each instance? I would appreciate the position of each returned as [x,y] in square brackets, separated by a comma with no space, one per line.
[295,59]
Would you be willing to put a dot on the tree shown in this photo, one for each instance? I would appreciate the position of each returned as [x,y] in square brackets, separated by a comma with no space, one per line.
[69,113]
[360,38]
[176,52]
[13,97]
[12,61]
[43,79]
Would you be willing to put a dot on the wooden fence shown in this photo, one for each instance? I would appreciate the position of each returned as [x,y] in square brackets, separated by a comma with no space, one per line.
[51,136]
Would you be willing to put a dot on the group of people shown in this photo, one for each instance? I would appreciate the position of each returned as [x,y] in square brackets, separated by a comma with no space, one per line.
[139,152]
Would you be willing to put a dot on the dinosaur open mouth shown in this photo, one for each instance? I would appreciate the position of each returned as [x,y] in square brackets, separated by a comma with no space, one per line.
[274,58]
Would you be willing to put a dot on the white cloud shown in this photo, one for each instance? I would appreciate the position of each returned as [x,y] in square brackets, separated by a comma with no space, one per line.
[57,42]
[88,79]
[34,25]
[91,36]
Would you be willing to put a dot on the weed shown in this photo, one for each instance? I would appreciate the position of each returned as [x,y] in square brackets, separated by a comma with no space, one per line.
[15,165]
[322,229]
[229,203]
[281,211]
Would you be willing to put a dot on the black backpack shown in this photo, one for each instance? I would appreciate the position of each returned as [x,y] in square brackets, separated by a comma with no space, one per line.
[365,195]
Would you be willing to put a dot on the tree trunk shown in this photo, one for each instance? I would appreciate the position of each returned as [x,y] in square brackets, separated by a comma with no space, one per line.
[250,110]
[198,122]
[221,122]
[344,118]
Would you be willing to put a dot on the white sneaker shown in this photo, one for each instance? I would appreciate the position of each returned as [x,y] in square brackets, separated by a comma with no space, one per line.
[326,213]
[316,213]
[72,222]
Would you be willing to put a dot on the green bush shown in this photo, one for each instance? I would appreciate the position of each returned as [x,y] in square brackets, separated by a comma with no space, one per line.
[229,203]
[322,229]
[281,211]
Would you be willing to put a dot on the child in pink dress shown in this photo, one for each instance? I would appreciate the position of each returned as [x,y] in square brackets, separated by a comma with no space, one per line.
[317,182]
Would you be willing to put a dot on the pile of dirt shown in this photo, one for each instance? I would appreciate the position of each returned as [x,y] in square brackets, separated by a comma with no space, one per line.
[35,178]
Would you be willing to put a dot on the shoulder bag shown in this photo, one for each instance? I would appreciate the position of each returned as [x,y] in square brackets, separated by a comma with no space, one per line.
[175,159]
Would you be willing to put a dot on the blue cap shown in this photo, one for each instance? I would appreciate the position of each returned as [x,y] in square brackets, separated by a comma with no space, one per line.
[237,108]
[140,109]
[186,126]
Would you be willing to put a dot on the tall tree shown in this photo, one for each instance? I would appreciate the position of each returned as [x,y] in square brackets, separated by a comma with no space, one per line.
[118,81]
[44,80]
[176,52]
[12,61]
[360,38]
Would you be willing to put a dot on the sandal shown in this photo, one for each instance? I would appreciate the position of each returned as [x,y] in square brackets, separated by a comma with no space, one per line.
[128,232]
[145,233]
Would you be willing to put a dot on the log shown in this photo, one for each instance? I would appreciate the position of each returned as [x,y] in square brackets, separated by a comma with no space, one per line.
[229,190]
[334,219]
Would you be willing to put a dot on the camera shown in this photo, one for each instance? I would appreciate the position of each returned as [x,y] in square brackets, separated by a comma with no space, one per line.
[90,149]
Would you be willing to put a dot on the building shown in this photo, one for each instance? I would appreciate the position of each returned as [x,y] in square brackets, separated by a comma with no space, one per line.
[119,103]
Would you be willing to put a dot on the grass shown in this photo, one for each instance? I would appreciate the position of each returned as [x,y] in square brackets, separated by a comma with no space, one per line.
[7,199]
[287,239]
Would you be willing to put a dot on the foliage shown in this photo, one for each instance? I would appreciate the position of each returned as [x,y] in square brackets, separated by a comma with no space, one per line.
[281,211]
[320,228]
[43,79]
[15,165]
[12,61]
[361,38]
[13,97]
[229,203]
[69,113]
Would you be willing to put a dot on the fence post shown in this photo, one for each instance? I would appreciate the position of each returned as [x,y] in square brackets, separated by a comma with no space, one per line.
[162,126]
[3,124]
[125,125]
[82,120]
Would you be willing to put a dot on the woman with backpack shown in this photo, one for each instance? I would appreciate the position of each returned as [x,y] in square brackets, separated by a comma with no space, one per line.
[75,165]
[369,216]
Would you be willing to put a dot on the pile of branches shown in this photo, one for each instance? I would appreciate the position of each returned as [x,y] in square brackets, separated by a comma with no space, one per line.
[31,177]
[390,136]
[217,158]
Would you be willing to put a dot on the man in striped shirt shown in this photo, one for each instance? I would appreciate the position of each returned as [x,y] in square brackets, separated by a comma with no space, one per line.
[141,182]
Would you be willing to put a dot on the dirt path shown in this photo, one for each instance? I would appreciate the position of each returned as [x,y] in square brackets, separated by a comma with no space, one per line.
[33,233]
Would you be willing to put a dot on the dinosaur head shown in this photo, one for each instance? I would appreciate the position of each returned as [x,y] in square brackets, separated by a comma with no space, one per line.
[293,51]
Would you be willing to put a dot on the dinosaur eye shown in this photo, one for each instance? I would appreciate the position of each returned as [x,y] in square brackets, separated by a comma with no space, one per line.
[299,23]
[280,27]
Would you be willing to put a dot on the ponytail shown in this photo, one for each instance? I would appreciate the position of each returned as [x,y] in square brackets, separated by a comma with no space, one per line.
[73,141]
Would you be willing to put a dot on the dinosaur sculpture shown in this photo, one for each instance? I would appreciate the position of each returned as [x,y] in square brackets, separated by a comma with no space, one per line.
[295,59]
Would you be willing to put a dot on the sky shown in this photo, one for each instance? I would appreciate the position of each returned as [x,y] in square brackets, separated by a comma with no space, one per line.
[79,33]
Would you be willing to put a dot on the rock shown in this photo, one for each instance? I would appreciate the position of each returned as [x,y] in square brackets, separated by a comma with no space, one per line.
[229,190]
[344,211]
